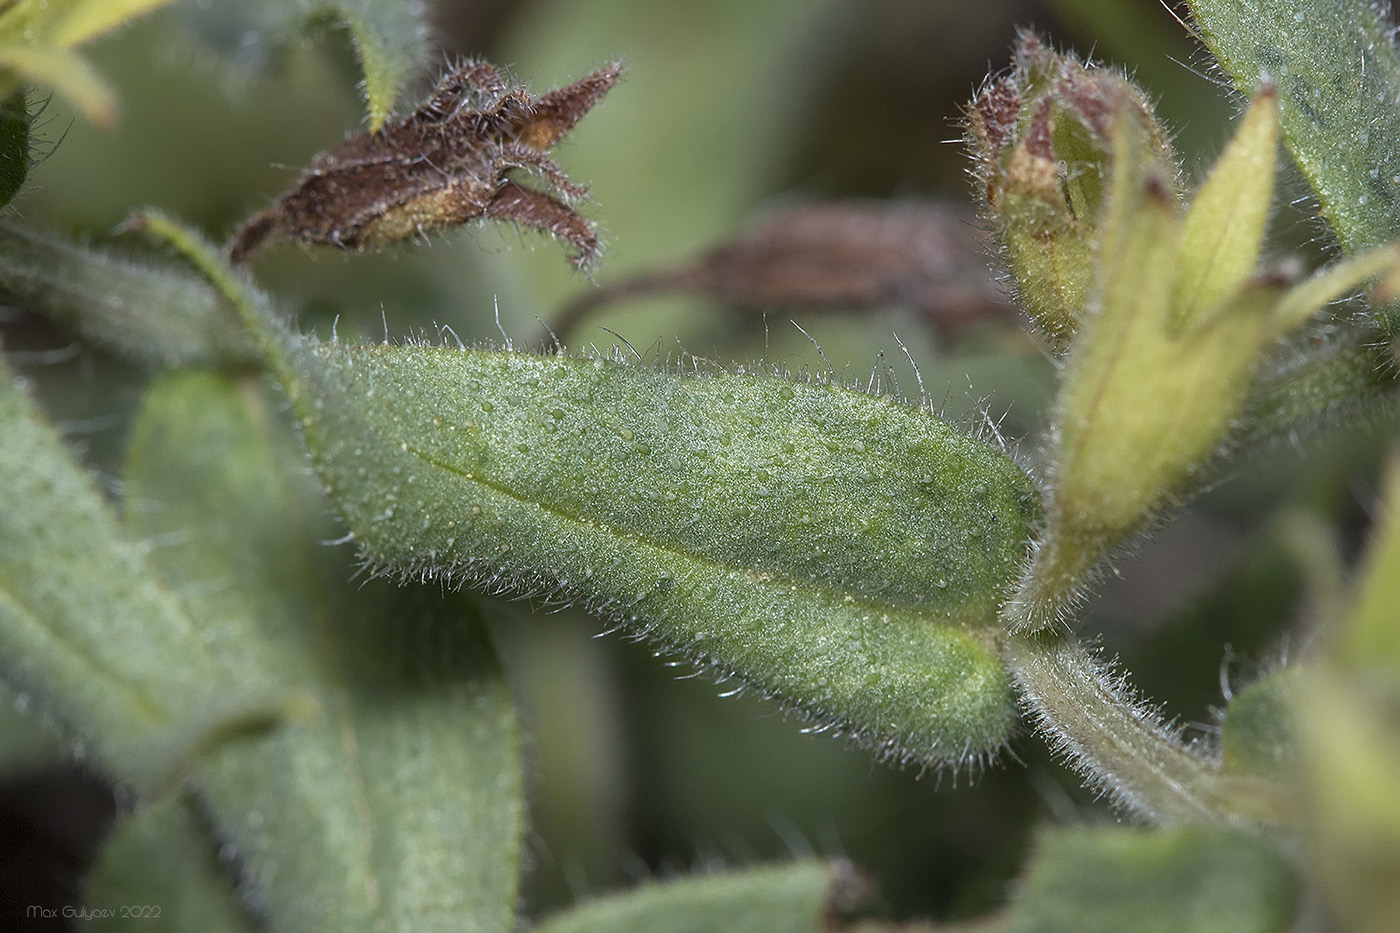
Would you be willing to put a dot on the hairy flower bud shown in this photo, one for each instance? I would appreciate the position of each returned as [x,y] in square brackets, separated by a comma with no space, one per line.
[1177,321]
[1042,140]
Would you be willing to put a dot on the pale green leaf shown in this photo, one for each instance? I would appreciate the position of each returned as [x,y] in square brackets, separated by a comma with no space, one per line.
[67,73]
[66,23]
[1223,231]
[805,897]
[1146,400]
[1143,402]
[86,19]
[1110,463]
[400,806]
[1333,283]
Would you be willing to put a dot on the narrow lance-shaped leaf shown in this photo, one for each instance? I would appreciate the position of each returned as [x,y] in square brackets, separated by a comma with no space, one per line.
[69,22]
[1156,375]
[399,807]
[1223,231]
[78,21]
[1336,282]
[1103,475]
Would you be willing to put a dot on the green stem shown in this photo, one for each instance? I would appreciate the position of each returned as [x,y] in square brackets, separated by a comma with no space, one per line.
[1123,746]
[166,316]
[1052,583]
[270,332]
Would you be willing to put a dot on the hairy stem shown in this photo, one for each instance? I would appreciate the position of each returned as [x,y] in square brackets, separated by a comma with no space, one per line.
[1123,745]
[1051,583]
[270,332]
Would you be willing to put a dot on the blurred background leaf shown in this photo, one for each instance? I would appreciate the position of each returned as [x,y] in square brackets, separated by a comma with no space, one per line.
[399,804]
[37,38]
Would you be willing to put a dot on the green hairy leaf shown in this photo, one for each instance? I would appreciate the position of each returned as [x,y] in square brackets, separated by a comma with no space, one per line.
[805,897]
[400,800]
[1193,878]
[841,552]
[255,603]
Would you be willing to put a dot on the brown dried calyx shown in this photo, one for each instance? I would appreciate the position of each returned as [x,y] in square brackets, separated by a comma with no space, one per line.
[444,164]
[851,255]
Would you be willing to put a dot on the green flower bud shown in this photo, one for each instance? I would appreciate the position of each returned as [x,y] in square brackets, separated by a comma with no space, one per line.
[1176,323]
[1042,142]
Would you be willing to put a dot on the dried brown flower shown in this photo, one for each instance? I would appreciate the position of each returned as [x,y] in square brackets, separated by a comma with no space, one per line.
[446,163]
[853,255]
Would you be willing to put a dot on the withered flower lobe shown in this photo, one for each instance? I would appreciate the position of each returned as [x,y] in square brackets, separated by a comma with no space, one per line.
[851,255]
[444,164]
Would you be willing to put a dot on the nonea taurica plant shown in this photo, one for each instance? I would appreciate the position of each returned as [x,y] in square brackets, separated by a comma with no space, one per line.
[279,579]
